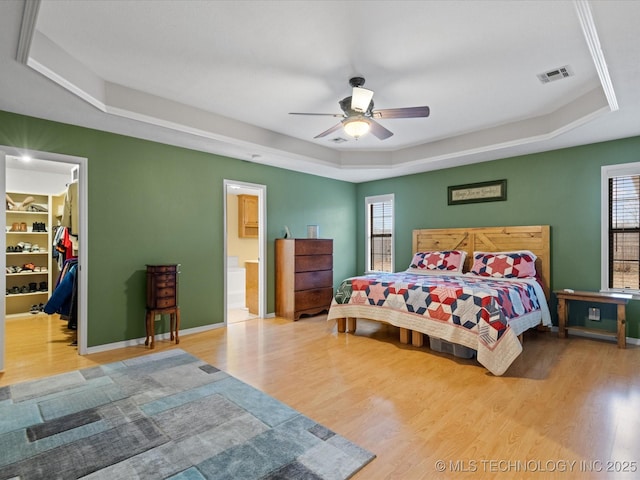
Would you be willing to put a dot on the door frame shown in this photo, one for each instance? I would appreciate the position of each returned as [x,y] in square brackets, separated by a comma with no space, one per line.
[261,191]
[83,255]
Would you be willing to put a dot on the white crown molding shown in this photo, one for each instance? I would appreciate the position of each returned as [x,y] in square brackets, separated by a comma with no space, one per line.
[283,151]
[27,29]
[593,42]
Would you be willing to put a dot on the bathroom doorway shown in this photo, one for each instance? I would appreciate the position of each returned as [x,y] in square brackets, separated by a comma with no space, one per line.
[244,224]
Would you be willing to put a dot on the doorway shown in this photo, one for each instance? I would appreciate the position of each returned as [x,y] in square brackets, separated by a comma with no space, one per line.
[36,182]
[244,250]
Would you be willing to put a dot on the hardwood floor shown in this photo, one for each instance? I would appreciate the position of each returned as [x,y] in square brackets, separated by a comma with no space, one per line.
[562,401]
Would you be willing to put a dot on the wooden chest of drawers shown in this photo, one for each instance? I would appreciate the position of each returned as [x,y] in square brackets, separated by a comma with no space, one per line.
[162,286]
[304,277]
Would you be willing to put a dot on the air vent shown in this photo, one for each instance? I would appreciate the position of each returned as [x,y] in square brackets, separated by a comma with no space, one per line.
[556,74]
[338,140]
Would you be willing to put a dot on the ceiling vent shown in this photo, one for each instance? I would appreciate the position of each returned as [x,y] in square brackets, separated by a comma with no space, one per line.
[338,140]
[556,74]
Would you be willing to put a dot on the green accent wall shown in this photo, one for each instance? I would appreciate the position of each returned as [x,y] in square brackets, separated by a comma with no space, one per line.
[156,203]
[560,188]
[153,203]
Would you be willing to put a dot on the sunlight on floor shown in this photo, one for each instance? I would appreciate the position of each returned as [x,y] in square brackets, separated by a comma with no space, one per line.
[236,315]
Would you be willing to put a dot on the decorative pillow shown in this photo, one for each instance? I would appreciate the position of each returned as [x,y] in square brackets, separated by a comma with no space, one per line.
[448,261]
[521,264]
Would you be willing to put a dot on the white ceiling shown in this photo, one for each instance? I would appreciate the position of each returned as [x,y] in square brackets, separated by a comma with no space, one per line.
[222,76]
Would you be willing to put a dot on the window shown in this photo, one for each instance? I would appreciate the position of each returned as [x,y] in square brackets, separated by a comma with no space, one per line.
[379,224]
[621,227]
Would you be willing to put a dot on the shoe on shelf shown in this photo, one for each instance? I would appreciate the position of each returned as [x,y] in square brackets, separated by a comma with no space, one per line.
[38,227]
[24,289]
[35,309]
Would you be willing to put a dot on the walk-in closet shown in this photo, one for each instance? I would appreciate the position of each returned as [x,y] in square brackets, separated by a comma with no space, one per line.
[42,246]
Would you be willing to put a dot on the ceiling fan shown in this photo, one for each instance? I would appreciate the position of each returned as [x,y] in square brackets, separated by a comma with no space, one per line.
[358,113]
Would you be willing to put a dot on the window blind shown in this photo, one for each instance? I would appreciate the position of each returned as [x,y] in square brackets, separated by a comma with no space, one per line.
[380,234]
[624,232]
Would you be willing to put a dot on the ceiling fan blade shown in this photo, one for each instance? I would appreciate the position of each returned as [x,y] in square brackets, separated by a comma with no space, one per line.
[408,112]
[378,130]
[331,130]
[321,114]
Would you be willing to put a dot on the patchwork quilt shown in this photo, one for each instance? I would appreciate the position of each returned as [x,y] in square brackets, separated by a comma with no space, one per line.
[468,310]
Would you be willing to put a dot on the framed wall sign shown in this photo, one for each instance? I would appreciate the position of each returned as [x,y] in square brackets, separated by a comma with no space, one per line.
[493,191]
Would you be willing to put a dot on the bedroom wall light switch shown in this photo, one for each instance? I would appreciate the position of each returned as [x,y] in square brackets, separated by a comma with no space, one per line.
[594,314]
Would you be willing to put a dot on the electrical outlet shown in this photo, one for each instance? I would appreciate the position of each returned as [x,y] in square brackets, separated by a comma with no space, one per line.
[594,314]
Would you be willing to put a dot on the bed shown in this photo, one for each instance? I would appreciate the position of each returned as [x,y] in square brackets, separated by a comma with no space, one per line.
[456,290]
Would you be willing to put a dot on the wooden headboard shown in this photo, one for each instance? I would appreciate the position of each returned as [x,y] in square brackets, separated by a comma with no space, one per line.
[535,238]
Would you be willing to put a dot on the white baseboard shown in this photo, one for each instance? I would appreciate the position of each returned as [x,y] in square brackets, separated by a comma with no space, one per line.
[134,342]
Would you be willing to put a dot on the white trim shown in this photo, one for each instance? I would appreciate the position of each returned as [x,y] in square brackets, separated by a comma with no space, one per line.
[390,197]
[593,42]
[3,259]
[83,211]
[261,190]
[607,172]
[228,135]
[27,27]
[137,342]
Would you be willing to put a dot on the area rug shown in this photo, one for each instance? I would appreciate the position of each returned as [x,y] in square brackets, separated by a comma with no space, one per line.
[163,415]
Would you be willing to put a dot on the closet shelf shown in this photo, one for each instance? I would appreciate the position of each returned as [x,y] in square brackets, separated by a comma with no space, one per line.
[21,303]
[39,252]
[15,295]
[26,273]
[25,212]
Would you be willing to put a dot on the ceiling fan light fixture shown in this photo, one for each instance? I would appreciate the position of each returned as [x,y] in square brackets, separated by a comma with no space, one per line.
[356,127]
[361,99]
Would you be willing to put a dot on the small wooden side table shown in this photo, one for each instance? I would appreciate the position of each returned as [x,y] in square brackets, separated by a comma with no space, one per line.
[564,298]
[162,298]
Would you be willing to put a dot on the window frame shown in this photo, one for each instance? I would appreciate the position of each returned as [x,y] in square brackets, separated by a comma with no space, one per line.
[608,172]
[368,201]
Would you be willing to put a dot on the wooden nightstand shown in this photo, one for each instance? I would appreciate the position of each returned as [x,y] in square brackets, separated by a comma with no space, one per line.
[564,298]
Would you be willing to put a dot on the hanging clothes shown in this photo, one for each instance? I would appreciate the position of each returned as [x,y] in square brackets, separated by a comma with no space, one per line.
[64,299]
[62,246]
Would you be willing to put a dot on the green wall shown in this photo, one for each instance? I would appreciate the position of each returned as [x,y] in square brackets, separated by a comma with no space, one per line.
[559,188]
[154,203]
